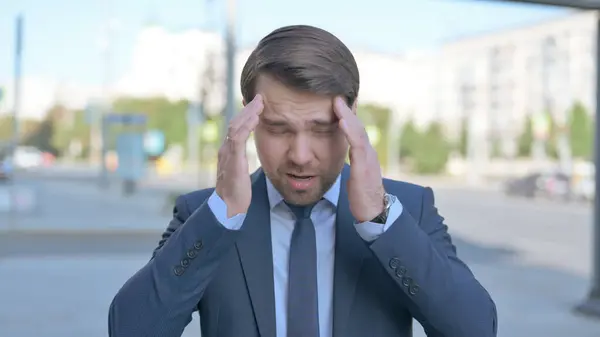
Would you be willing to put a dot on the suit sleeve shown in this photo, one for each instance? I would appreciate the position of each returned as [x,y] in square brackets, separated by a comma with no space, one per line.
[160,298]
[440,290]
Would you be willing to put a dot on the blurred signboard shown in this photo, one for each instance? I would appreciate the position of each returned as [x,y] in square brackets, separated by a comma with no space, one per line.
[210,132]
[154,142]
[195,115]
[125,119]
[132,157]
[583,4]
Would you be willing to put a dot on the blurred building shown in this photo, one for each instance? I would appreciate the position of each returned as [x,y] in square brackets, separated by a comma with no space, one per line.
[496,79]
[493,79]
[177,65]
[40,93]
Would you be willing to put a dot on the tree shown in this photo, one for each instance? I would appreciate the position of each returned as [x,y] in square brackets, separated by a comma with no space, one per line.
[432,151]
[379,118]
[463,141]
[48,135]
[580,132]
[409,139]
[552,143]
[525,142]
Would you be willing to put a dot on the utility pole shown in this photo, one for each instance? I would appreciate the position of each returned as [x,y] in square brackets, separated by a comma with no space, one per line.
[17,81]
[99,132]
[230,53]
[591,304]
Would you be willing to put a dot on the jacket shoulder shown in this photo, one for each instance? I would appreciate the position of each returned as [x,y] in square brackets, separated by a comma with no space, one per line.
[402,187]
[193,200]
[409,194]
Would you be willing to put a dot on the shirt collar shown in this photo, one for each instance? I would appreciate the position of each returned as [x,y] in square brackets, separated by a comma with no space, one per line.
[332,195]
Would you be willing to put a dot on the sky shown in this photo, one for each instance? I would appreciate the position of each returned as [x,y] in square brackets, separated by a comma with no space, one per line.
[62,37]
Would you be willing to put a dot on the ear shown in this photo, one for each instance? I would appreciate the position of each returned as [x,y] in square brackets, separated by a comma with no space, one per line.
[244,102]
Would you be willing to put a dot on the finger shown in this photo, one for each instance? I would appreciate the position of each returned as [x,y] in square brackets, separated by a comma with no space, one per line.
[255,107]
[251,110]
[238,138]
[349,123]
[341,109]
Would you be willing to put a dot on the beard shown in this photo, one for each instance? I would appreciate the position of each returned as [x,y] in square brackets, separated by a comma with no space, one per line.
[301,197]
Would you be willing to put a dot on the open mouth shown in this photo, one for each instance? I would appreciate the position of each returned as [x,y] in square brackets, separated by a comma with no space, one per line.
[301,182]
[300,177]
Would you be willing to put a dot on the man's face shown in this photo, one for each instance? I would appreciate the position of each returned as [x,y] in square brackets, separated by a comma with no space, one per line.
[300,145]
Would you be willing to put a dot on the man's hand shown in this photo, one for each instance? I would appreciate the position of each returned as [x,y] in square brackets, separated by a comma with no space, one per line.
[233,179]
[365,185]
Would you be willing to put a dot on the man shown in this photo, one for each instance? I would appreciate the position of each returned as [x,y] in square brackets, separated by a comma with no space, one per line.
[306,246]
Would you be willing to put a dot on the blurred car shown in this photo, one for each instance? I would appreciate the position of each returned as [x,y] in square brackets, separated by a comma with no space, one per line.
[26,157]
[552,185]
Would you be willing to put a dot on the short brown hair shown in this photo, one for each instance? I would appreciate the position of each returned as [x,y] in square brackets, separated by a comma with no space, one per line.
[304,58]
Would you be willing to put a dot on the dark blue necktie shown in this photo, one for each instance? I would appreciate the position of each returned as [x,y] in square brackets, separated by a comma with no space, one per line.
[303,309]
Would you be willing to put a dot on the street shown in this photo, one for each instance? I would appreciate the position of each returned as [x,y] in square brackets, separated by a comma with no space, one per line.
[60,271]
[76,205]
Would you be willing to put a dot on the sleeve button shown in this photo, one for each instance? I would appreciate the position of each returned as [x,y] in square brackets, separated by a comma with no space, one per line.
[178,270]
[394,262]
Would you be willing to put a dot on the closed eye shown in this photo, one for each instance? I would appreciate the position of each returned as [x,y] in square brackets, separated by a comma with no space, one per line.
[325,127]
[277,129]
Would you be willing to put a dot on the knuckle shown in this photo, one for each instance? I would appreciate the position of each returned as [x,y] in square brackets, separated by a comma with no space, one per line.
[231,128]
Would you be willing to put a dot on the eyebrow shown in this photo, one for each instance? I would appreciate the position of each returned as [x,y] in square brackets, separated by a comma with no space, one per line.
[281,122]
[323,122]
[271,121]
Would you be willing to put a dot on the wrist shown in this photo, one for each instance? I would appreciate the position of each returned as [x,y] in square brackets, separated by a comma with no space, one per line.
[375,209]
[382,217]
[234,209]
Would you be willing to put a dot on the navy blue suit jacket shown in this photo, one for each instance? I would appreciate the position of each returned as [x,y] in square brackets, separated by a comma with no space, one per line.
[410,271]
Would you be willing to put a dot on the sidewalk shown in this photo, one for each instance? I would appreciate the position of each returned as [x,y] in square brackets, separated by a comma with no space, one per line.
[533,258]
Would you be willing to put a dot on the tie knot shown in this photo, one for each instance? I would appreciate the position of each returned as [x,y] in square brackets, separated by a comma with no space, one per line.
[301,212]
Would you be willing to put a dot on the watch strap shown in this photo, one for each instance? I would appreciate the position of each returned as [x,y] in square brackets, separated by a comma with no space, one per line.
[388,200]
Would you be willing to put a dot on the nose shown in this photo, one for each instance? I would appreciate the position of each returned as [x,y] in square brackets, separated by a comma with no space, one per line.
[300,152]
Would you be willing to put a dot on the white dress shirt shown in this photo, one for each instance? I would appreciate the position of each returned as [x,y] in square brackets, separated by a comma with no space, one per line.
[282,225]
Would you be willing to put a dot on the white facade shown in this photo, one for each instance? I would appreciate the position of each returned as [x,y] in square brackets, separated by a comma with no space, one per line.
[503,76]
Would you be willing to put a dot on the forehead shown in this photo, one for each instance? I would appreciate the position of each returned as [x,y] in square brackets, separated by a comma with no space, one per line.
[281,102]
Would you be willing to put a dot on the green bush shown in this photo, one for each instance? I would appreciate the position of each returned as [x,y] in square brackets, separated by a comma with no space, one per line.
[431,151]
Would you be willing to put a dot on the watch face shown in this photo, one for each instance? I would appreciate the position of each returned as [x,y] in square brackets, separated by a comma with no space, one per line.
[388,200]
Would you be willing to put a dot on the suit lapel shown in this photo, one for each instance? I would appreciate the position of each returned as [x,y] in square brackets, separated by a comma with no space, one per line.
[350,251]
[256,256]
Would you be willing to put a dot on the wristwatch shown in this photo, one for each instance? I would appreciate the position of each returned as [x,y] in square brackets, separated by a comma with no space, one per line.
[388,200]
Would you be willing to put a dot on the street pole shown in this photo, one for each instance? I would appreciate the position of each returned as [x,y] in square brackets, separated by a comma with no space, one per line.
[230,57]
[591,305]
[193,122]
[100,131]
[17,81]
